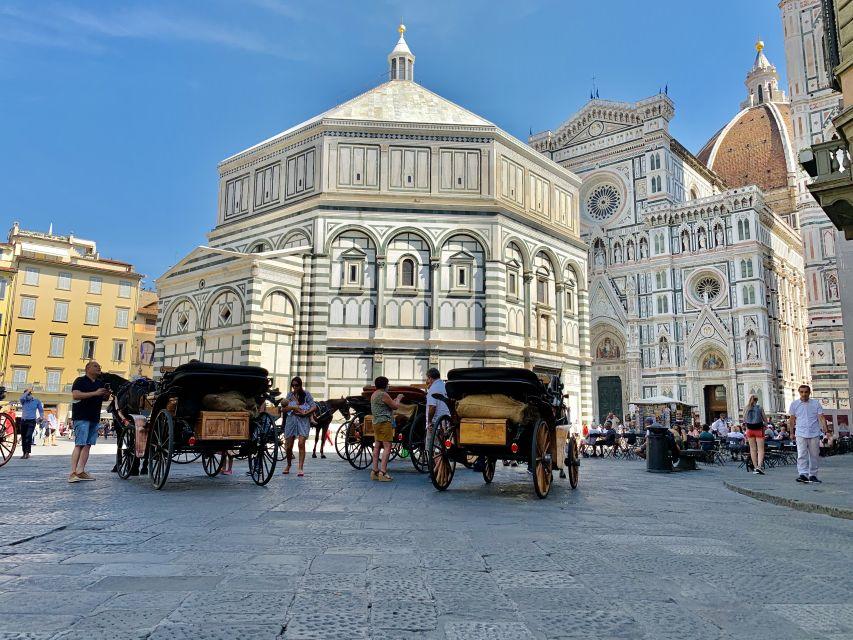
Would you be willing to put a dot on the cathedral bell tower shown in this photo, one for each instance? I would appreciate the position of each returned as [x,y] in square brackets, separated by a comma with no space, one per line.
[762,81]
[401,61]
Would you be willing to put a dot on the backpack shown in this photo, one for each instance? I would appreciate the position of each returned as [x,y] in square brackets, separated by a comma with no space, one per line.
[753,416]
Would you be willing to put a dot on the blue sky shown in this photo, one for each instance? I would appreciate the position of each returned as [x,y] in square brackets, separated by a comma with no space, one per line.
[113,115]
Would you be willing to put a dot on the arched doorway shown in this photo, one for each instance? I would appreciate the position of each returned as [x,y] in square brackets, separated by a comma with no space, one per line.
[608,374]
[716,401]
[609,397]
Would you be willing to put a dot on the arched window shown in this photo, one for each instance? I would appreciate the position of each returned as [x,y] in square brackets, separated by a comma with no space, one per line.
[746,230]
[694,195]
[407,273]
[760,94]
[749,295]
[146,352]
[259,247]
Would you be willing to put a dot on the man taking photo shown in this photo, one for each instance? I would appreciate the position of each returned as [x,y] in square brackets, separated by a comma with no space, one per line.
[32,412]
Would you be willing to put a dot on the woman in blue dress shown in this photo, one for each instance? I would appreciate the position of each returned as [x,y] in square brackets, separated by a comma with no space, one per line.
[297,408]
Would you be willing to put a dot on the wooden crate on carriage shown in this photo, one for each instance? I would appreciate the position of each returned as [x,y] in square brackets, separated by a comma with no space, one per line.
[222,425]
[367,426]
[489,431]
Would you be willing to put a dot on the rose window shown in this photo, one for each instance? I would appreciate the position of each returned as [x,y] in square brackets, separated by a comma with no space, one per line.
[603,202]
[708,288]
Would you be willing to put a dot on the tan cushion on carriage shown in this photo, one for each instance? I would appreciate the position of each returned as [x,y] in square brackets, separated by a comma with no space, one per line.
[405,411]
[492,405]
[229,401]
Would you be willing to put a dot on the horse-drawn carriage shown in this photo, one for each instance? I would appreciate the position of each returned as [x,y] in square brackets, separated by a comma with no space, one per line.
[205,409]
[501,413]
[409,432]
[8,434]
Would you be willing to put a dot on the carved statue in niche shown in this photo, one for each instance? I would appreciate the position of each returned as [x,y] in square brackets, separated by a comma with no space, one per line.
[718,236]
[599,255]
[617,254]
[713,361]
[751,346]
[664,353]
[644,248]
[833,287]
[685,241]
[702,240]
[630,250]
[607,350]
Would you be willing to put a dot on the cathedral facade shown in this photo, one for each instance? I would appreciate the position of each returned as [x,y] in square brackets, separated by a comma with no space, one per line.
[696,288]
[392,233]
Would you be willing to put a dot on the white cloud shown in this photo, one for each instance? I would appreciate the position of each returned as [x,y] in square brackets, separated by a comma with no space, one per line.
[69,26]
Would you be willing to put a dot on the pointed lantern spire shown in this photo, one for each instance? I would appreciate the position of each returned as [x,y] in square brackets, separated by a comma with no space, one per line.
[762,81]
[401,61]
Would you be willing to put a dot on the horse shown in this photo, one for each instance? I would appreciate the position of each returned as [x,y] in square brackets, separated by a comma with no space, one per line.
[323,418]
[129,397]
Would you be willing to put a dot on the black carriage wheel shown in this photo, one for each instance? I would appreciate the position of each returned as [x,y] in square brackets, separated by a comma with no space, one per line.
[212,463]
[8,438]
[263,452]
[489,470]
[396,450]
[540,458]
[185,457]
[126,452]
[417,447]
[441,465]
[161,446]
[281,451]
[574,463]
[358,447]
[341,439]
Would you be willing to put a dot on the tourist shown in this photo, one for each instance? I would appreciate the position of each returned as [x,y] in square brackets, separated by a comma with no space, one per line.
[783,434]
[381,407]
[32,413]
[769,432]
[436,409]
[608,439]
[754,418]
[720,426]
[735,440]
[88,393]
[592,438]
[52,428]
[707,441]
[806,421]
[298,407]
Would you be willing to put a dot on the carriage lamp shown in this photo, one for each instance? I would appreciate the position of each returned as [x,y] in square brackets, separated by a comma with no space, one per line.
[191,441]
[400,437]
[514,447]
[448,443]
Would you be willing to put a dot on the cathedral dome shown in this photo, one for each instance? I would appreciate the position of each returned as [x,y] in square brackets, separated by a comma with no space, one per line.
[755,147]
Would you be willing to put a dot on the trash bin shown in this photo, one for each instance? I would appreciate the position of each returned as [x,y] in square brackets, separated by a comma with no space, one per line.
[658,458]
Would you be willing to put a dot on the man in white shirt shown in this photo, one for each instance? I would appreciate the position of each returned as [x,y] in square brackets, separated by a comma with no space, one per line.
[806,416]
[720,427]
[436,409]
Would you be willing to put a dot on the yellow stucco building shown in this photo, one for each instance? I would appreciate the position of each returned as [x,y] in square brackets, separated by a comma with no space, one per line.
[67,305]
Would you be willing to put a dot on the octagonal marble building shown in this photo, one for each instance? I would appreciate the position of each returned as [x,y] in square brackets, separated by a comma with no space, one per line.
[394,232]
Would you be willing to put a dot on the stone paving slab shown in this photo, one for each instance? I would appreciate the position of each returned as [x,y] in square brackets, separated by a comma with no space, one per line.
[627,555]
[834,496]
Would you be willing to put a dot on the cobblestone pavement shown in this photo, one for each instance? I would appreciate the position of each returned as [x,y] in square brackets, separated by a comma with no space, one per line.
[333,555]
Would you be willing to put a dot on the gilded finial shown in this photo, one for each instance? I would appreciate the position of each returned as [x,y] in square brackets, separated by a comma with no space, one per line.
[759,45]
[401,28]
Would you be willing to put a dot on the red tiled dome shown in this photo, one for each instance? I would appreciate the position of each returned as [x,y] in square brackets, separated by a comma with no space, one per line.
[754,148]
